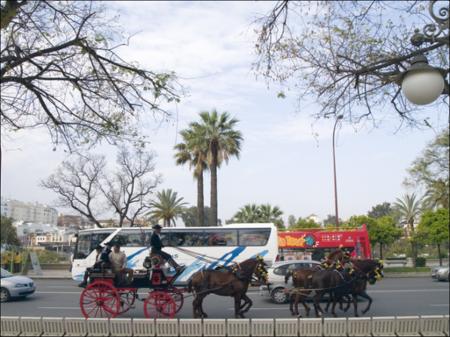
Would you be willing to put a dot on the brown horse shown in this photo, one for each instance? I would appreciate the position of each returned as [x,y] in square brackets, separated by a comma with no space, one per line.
[354,283]
[232,283]
[301,280]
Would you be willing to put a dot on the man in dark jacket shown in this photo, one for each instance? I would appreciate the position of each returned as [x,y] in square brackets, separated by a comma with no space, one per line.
[155,242]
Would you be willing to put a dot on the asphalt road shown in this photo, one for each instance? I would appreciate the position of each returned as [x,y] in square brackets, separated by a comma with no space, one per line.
[392,296]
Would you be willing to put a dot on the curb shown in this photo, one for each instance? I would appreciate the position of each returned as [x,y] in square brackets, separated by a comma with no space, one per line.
[405,275]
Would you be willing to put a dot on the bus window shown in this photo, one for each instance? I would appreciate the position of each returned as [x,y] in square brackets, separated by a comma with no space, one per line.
[221,237]
[97,238]
[83,246]
[131,238]
[253,237]
[187,238]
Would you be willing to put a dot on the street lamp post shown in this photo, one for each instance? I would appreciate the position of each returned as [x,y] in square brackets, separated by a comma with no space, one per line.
[422,84]
[336,212]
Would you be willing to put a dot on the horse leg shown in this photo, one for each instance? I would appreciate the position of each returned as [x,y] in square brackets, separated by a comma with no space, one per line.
[237,306]
[349,300]
[335,298]
[330,298]
[355,304]
[203,314]
[364,295]
[248,303]
[292,299]
[307,309]
[195,306]
[317,307]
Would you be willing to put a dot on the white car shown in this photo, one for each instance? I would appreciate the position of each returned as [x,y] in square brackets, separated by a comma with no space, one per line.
[276,273]
[442,274]
[14,286]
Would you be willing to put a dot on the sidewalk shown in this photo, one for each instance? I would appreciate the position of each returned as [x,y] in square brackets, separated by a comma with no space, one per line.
[51,274]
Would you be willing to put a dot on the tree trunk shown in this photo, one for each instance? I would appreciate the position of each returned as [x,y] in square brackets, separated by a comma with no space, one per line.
[439,253]
[413,244]
[213,168]
[381,251]
[200,200]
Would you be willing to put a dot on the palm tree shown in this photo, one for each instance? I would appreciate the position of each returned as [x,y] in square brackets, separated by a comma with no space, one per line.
[269,213]
[192,151]
[168,207]
[222,140]
[250,213]
[410,208]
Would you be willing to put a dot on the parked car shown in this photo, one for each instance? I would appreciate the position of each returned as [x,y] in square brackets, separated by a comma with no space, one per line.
[442,274]
[277,288]
[14,286]
[434,271]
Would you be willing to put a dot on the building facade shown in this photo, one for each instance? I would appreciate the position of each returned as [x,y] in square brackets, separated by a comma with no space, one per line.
[29,212]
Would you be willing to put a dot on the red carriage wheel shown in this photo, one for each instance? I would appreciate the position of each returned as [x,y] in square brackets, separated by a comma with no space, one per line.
[159,304]
[100,299]
[178,297]
[127,298]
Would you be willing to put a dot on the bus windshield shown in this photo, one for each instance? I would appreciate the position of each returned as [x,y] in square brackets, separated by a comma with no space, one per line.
[87,241]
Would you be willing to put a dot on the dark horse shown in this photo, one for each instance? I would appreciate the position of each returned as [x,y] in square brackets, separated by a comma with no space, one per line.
[350,282]
[339,284]
[232,283]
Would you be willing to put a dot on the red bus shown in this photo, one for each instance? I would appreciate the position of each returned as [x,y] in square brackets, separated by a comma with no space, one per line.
[315,244]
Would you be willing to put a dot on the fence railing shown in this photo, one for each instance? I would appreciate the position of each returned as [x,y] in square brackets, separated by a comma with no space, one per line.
[355,326]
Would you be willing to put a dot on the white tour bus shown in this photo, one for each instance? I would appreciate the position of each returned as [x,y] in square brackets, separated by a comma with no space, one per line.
[199,247]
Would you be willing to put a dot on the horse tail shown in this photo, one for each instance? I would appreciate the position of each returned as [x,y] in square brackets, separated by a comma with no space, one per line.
[287,276]
[190,285]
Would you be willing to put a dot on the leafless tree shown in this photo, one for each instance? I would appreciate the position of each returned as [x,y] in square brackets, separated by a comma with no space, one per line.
[84,184]
[60,69]
[76,182]
[349,55]
[129,189]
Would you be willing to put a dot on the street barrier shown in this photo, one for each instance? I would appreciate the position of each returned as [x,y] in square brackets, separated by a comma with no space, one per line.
[407,326]
[143,327]
[190,327]
[310,326]
[238,327]
[166,327]
[52,326]
[31,326]
[120,327]
[383,326]
[10,326]
[214,327]
[286,327]
[75,326]
[436,325]
[359,326]
[432,325]
[97,326]
[335,327]
[262,327]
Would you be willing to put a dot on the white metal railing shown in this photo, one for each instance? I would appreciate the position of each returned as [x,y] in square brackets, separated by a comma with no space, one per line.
[436,325]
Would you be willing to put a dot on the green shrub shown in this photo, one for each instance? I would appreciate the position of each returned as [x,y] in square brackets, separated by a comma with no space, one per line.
[421,262]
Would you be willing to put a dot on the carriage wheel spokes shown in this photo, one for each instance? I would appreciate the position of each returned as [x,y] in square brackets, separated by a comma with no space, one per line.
[178,297]
[100,299]
[127,299]
[159,304]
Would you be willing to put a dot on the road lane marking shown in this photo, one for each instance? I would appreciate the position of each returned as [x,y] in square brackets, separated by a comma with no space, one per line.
[60,308]
[252,308]
[408,291]
[439,305]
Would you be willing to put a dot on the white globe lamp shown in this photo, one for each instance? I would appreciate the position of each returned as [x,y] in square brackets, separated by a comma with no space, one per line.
[422,84]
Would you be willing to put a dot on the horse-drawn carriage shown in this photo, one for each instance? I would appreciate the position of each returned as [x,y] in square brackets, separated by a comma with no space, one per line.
[109,295]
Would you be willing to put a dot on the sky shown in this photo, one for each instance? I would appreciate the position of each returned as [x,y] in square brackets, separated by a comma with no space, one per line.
[286,157]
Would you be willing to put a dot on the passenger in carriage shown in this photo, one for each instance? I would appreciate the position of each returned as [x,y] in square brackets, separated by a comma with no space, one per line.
[96,265]
[118,261]
[157,246]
